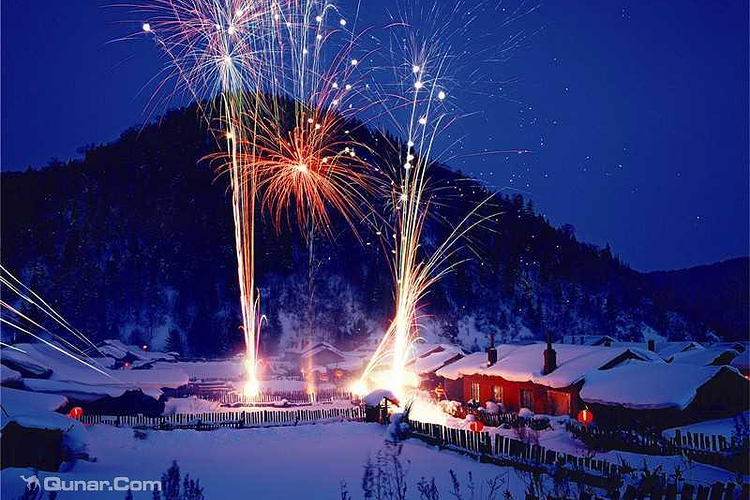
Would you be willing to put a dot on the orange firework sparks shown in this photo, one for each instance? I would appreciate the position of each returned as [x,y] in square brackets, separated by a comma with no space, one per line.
[312,167]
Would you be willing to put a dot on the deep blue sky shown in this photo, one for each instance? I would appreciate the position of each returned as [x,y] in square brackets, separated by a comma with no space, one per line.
[636,113]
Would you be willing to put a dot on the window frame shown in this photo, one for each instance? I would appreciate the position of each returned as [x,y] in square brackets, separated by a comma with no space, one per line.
[561,393]
[522,403]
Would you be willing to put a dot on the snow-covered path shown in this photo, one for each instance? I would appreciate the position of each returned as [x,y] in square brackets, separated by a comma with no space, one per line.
[274,463]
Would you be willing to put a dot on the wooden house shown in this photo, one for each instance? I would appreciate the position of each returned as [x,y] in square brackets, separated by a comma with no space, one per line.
[543,378]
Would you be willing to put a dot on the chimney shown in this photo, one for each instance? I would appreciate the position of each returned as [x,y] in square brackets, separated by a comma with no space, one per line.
[491,351]
[550,357]
[651,345]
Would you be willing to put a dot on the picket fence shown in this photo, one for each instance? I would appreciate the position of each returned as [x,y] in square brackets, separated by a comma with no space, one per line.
[236,420]
[293,397]
[680,441]
[706,442]
[716,450]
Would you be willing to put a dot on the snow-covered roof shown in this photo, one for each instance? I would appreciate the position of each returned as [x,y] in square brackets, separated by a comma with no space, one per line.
[524,363]
[436,357]
[71,377]
[377,396]
[8,375]
[16,401]
[322,347]
[648,385]
[586,339]
[668,349]
[738,345]
[84,392]
[307,346]
[117,349]
[75,436]
[703,357]
[742,362]
[49,359]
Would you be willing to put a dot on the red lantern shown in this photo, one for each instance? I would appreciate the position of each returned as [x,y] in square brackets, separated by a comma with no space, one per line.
[439,391]
[126,364]
[76,412]
[476,426]
[585,417]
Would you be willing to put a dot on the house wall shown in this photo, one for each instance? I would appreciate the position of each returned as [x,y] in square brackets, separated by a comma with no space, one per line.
[454,389]
[542,400]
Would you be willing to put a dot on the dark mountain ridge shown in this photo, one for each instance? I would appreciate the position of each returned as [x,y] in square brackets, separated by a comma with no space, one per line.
[135,241]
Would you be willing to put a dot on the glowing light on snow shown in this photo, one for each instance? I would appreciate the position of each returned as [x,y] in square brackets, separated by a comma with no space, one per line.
[146,27]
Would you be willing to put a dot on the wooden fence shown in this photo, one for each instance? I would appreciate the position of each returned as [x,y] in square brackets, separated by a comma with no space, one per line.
[237,420]
[605,474]
[716,491]
[230,397]
[483,443]
[706,442]
[716,450]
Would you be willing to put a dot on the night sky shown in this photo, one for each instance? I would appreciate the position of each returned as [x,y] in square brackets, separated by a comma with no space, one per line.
[635,113]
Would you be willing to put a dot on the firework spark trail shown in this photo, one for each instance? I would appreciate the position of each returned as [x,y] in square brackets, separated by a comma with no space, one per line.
[421,96]
[28,295]
[225,47]
[307,163]
[16,319]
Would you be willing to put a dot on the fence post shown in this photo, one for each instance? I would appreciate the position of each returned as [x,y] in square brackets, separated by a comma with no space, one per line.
[630,493]
[702,493]
[717,490]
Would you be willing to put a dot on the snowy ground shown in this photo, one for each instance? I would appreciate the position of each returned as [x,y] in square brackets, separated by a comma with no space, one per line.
[276,463]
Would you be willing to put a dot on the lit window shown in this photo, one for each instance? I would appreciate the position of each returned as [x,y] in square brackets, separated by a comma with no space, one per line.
[559,403]
[497,393]
[475,391]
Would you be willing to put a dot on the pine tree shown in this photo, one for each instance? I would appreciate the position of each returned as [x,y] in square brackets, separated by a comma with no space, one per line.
[174,341]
